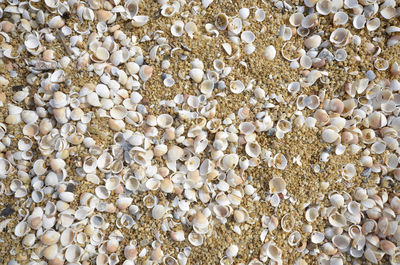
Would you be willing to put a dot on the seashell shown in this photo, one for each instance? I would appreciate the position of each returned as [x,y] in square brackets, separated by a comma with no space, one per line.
[296,19]
[221,21]
[285,32]
[167,10]
[191,29]
[341,241]
[324,7]
[139,21]
[165,121]
[200,220]
[196,74]
[247,36]
[329,135]
[310,21]
[340,55]
[145,72]
[50,237]
[56,22]
[349,171]
[232,251]
[253,149]
[21,229]
[359,21]
[269,53]
[313,42]
[195,239]
[236,87]
[235,26]
[388,12]
[29,240]
[340,37]
[287,222]
[177,28]
[273,252]
[311,214]
[317,237]
[337,220]
[373,24]
[178,235]
[244,13]
[73,253]
[294,238]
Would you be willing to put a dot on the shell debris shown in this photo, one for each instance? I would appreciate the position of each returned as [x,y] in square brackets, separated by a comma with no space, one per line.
[177,132]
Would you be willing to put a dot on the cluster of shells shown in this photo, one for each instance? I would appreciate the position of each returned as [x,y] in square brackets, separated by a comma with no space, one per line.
[201,165]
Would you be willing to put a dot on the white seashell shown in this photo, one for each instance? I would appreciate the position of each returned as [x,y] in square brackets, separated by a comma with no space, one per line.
[253,149]
[93,99]
[296,19]
[340,18]
[21,229]
[285,32]
[317,237]
[237,87]
[244,13]
[359,21]
[340,37]
[66,196]
[158,212]
[310,21]
[165,121]
[195,239]
[269,53]
[324,7]
[191,29]
[389,12]
[311,214]
[139,21]
[56,22]
[178,235]
[259,15]
[340,55]
[73,253]
[232,251]
[341,241]
[349,171]
[196,74]
[167,10]
[313,41]
[247,36]
[277,185]
[329,135]
[337,220]
[177,28]
[235,26]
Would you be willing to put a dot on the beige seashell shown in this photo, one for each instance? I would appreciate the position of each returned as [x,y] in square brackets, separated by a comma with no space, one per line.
[337,220]
[221,21]
[389,12]
[50,252]
[324,7]
[56,22]
[178,235]
[196,75]
[313,41]
[269,53]
[373,24]
[341,241]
